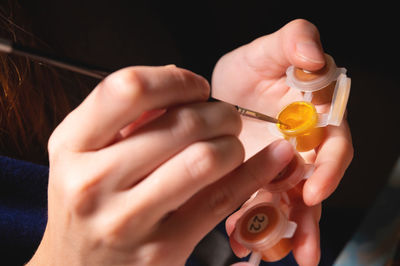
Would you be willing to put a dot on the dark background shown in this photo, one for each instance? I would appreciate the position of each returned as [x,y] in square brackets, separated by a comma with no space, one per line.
[195,34]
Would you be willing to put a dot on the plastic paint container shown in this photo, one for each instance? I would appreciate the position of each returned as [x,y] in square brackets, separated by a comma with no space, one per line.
[300,125]
[329,84]
[264,228]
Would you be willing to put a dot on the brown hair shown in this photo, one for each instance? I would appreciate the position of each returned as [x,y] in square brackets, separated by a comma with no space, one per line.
[33,99]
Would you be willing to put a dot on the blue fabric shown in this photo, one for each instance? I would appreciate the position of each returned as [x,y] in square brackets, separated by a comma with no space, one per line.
[23,209]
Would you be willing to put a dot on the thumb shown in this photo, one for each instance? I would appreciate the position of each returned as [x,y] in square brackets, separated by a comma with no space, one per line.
[239,72]
[297,43]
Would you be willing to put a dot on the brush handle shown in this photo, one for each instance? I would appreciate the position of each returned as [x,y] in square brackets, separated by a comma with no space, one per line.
[250,113]
[8,46]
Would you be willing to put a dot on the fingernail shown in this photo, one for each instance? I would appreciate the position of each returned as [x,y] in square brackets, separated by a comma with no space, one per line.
[282,150]
[310,51]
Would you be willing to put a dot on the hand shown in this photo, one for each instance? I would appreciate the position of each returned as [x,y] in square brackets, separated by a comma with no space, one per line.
[144,168]
[253,76]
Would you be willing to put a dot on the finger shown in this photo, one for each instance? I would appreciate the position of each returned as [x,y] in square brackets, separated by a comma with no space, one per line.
[306,244]
[239,250]
[122,97]
[166,136]
[297,43]
[333,157]
[177,180]
[267,57]
[207,208]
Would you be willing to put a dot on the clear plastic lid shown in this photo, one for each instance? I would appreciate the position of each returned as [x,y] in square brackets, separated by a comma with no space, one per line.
[339,100]
[338,104]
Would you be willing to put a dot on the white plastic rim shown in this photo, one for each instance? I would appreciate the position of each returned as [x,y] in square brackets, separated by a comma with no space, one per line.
[322,120]
[316,84]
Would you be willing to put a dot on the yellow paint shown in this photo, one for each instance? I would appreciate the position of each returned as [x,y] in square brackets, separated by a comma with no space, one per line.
[299,120]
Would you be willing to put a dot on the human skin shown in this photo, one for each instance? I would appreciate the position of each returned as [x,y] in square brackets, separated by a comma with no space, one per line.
[253,76]
[144,168]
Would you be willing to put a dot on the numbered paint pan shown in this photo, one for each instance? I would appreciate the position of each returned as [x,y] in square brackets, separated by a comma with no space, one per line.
[264,228]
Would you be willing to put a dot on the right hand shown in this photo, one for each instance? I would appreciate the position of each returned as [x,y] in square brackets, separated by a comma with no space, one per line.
[144,168]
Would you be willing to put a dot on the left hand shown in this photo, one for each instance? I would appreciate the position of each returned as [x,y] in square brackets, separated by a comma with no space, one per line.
[253,76]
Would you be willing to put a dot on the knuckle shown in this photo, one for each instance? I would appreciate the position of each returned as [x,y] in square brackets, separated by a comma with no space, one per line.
[189,80]
[58,140]
[231,115]
[126,85]
[109,232]
[52,144]
[202,160]
[81,195]
[299,24]
[161,252]
[178,74]
[79,203]
[221,202]
[152,254]
[188,123]
[256,177]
